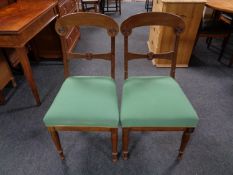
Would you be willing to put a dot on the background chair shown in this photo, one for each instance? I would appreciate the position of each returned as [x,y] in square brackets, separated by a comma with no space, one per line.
[228,18]
[215,27]
[111,6]
[88,5]
[85,103]
[5,76]
[154,103]
[148,5]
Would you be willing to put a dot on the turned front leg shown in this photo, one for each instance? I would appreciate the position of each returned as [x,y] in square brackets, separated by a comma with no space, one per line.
[125,141]
[56,140]
[185,138]
[114,138]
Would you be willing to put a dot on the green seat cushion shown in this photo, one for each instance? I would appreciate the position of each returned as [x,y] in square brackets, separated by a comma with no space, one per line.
[85,102]
[155,102]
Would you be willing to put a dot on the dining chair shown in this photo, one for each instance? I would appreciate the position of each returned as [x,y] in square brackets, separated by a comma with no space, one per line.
[215,28]
[111,6]
[88,5]
[85,103]
[148,5]
[6,76]
[154,103]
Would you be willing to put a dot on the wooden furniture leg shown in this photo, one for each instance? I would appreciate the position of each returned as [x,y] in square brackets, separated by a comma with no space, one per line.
[13,82]
[28,72]
[231,62]
[125,141]
[56,140]
[2,99]
[224,43]
[185,138]
[114,138]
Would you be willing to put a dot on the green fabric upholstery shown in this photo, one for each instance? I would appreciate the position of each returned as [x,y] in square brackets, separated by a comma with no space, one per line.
[155,102]
[85,101]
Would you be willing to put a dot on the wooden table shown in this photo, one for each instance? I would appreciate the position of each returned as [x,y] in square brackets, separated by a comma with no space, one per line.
[20,22]
[221,5]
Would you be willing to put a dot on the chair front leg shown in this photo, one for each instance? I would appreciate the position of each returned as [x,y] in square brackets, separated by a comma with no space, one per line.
[56,140]
[114,138]
[125,141]
[185,138]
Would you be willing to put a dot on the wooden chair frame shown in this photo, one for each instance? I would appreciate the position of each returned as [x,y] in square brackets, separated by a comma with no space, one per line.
[94,3]
[148,19]
[62,27]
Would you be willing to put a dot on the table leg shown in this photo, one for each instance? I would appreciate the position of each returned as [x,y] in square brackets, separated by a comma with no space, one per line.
[28,72]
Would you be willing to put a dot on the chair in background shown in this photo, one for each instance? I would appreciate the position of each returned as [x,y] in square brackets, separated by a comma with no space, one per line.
[215,28]
[88,5]
[111,6]
[5,76]
[85,103]
[148,5]
[154,103]
[228,18]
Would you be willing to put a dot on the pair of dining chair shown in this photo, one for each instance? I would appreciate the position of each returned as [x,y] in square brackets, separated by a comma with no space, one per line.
[89,103]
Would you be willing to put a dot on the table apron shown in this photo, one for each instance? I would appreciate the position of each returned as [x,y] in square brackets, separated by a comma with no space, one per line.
[19,39]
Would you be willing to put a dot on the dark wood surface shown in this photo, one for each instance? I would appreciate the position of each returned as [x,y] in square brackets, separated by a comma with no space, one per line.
[21,21]
[46,44]
[18,16]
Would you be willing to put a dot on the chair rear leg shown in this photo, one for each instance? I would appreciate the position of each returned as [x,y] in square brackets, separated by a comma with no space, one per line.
[125,142]
[2,98]
[209,41]
[114,138]
[13,82]
[224,43]
[231,62]
[56,140]
[185,138]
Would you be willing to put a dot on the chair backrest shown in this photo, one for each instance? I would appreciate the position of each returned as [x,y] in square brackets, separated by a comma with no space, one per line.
[149,19]
[66,22]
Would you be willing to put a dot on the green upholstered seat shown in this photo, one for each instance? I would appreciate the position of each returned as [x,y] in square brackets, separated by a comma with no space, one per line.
[155,102]
[85,102]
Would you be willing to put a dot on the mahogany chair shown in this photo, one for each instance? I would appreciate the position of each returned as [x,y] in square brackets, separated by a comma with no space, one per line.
[154,103]
[85,103]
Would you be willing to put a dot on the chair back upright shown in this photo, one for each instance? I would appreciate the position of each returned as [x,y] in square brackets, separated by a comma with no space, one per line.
[152,19]
[66,22]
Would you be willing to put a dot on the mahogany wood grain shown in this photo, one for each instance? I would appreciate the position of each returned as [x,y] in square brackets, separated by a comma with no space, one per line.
[46,44]
[114,139]
[21,52]
[21,21]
